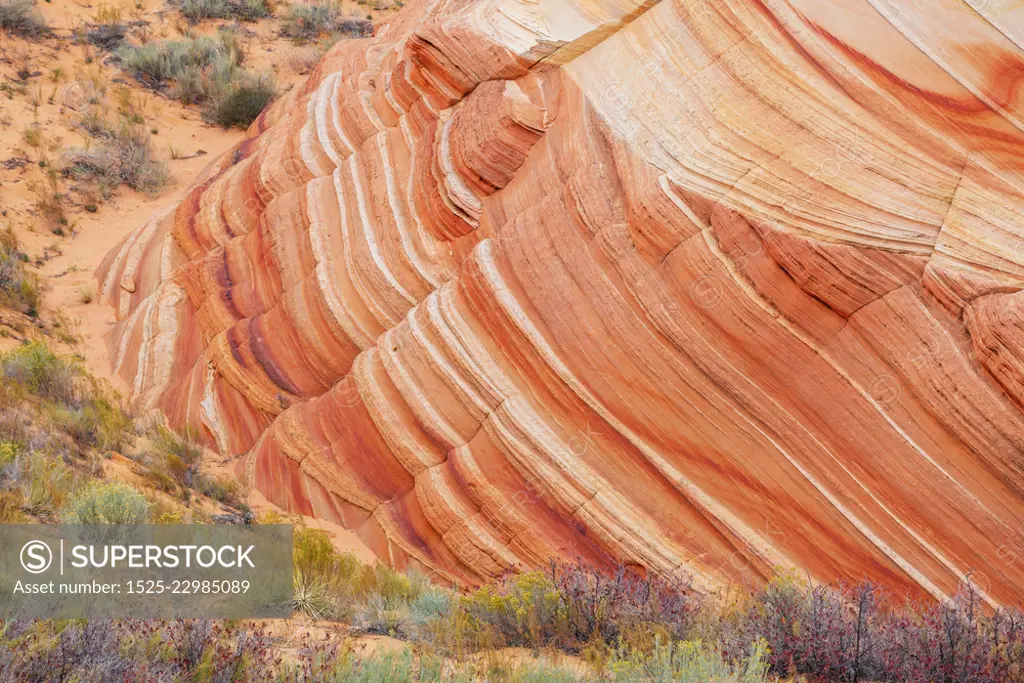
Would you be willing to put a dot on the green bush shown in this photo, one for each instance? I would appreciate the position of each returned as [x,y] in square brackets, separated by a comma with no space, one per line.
[316,557]
[431,603]
[20,18]
[71,401]
[97,423]
[32,482]
[157,64]
[19,289]
[333,584]
[172,465]
[197,10]
[380,579]
[324,579]
[525,609]
[9,452]
[46,483]
[308,21]
[204,71]
[34,367]
[106,503]
[239,106]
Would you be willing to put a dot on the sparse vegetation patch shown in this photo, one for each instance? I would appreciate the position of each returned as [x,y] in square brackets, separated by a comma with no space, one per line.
[122,155]
[242,102]
[108,502]
[20,18]
[206,71]
[107,31]
[19,288]
[240,10]
[310,21]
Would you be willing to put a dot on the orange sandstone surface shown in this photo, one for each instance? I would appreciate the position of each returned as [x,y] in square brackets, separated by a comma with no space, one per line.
[712,288]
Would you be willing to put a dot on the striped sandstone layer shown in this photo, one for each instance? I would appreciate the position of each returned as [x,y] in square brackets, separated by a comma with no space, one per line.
[713,288]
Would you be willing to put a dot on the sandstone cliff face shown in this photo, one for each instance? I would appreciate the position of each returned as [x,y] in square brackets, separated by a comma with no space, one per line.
[710,287]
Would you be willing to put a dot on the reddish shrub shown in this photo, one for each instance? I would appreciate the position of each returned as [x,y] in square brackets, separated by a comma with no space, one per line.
[600,605]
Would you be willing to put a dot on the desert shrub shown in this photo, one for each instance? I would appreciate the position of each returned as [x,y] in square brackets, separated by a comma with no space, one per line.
[543,672]
[524,609]
[44,483]
[107,31]
[387,615]
[69,400]
[432,603]
[181,451]
[302,60]
[106,503]
[313,552]
[823,632]
[60,651]
[95,423]
[241,10]
[157,64]
[608,607]
[336,585]
[388,666]
[184,651]
[10,510]
[953,642]
[197,10]
[380,579]
[308,21]
[40,372]
[15,418]
[242,102]
[107,36]
[339,663]
[218,652]
[122,156]
[49,201]
[780,617]
[325,581]
[220,489]
[387,598]
[20,18]
[936,643]
[687,661]
[205,71]
[19,289]
[171,463]
[353,27]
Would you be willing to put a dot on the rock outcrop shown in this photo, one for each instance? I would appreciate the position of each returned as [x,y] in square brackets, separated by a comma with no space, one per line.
[709,287]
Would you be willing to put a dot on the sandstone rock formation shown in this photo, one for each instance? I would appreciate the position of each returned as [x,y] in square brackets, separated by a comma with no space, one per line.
[710,287]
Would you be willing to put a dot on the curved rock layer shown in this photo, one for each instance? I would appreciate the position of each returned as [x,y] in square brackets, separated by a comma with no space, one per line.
[713,288]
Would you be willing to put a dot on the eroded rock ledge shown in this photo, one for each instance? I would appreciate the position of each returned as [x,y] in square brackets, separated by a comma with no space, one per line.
[710,287]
